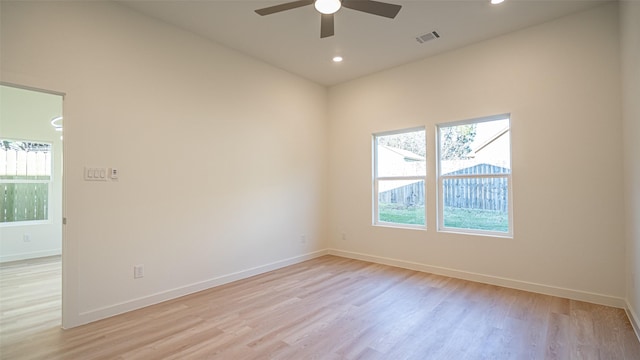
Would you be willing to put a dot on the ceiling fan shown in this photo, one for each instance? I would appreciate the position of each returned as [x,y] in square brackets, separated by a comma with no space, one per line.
[329,7]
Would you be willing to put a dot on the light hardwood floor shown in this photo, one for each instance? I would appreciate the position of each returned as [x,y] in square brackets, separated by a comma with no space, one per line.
[326,308]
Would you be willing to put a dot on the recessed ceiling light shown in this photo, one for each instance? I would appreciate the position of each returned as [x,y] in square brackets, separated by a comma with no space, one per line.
[337,59]
[496,2]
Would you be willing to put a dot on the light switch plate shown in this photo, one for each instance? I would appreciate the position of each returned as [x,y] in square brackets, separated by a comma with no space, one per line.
[95,174]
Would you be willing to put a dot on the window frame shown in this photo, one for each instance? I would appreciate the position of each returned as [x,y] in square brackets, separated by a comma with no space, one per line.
[376,179]
[441,177]
[49,182]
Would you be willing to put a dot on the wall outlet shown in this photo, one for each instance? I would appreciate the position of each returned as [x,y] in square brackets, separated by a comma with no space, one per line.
[343,236]
[138,271]
[303,239]
[26,237]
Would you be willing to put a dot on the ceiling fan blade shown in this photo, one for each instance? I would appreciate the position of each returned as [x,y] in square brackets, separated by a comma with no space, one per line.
[282,7]
[373,7]
[326,25]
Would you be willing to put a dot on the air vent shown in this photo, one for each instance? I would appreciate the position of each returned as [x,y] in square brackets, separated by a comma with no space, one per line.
[428,36]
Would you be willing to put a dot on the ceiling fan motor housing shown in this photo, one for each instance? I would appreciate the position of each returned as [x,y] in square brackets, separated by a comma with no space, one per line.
[329,7]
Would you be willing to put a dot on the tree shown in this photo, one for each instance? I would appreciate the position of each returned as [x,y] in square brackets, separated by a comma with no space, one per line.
[410,141]
[455,141]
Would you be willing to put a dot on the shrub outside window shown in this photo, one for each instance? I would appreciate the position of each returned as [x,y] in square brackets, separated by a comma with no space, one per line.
[474,176]
[399,171]
[25,179]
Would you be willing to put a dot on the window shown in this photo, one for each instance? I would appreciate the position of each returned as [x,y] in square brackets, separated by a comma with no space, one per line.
[25,178]
[474,176]
[399,171]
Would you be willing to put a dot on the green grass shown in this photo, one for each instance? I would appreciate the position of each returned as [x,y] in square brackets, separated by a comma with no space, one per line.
[399,214]
[472,219]
[476,219]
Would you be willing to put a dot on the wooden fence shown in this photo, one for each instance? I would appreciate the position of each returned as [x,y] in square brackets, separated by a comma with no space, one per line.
[476,193]
[23,201]
[408,195]
[488,193]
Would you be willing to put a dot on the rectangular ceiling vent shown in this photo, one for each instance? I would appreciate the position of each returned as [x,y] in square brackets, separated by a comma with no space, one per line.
[428,36]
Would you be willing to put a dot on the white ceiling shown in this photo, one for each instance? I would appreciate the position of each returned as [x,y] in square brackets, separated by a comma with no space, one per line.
[291,40]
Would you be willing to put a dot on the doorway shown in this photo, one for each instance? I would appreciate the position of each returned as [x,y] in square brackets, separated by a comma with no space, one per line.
[31,202]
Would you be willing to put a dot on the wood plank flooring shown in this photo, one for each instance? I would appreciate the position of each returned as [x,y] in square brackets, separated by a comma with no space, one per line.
[30,298]
[326,308]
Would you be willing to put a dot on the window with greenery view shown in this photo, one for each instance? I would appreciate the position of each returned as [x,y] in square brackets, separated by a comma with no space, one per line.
[474,176]
[399,171]
[25,178]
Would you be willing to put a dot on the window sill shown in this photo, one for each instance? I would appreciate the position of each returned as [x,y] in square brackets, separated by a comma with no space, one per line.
[401,226]
[26,223]
[476,233]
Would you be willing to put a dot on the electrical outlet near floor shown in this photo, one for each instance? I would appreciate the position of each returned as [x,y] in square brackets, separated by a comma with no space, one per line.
[138,271]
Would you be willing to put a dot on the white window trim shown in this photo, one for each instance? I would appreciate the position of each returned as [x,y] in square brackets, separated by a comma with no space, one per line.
[376,179]
[441,177]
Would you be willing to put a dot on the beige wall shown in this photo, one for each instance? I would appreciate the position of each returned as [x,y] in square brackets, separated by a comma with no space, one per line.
[26,115]
[221,157]
[223,160]
[561,83]
[630,45]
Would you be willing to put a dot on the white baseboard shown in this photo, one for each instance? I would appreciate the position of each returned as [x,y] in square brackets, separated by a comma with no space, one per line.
[488,279]
[116,309]
[30,255]
[633,318]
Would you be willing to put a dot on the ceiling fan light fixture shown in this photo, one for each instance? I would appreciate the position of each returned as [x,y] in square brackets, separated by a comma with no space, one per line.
[327,6]
[56,122]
